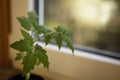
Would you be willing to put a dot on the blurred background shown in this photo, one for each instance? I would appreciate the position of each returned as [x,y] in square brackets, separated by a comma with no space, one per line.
[92,24]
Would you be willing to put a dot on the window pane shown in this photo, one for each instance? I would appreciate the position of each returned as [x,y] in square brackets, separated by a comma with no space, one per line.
[93,23]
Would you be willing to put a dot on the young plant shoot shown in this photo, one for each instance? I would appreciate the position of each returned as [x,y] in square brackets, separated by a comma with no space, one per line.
[33,54]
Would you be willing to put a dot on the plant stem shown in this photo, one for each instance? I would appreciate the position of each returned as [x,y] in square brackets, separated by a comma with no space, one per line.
[27,76]
[50,33]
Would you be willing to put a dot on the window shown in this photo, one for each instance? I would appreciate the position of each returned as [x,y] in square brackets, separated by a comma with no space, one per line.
[94,24]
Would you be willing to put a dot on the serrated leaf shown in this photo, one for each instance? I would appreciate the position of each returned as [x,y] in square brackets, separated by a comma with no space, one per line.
[32,15]
[29,63]
[19,45]
[22,45]
[35,55]
[61,29]
[37,28]
[41,29]
[45,29]
[27,36]
[47,39]
[28,44]
[41,55]
[58,39]
[24,22]
[20,56]
[69,42]
[28,40]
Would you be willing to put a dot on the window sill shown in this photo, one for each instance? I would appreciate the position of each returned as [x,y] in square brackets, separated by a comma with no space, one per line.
[82,53]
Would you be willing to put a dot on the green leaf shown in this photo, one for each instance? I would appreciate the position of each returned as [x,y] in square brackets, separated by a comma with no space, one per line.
[28,40]
[58,39]
[20,56]
[61,29]
[24,22]
[35,55]
[32,15]
[47,39]
[28,44]
[45,29]
[29,63]
[22,45]
[69,42]
[37,28]
[42,29]
[41,55]
[19,45]
[27,36]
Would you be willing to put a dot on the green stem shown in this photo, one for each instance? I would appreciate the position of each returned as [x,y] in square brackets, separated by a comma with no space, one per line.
[50,33]
[27,76]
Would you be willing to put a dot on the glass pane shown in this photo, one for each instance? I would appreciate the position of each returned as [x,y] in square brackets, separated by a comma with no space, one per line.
[93,23]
